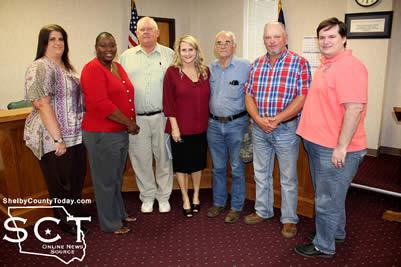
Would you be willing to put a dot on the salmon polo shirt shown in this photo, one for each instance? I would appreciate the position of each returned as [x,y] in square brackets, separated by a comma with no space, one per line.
[338,80]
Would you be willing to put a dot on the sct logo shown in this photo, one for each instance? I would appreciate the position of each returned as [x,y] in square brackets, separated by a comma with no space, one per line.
[47,242]
[37,224]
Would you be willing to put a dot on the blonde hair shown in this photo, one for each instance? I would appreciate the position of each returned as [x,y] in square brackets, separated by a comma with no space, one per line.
[200,67]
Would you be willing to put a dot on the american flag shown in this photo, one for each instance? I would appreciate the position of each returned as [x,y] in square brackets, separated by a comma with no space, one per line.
[280,13]
[132,39]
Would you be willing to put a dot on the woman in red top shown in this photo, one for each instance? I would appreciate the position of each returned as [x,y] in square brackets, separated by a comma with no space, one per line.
[109,118]
[186,94]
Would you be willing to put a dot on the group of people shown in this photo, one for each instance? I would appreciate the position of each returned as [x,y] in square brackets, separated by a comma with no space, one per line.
[165,107]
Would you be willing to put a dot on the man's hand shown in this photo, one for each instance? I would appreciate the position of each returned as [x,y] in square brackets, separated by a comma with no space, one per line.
[338,157]
[263,123]
[273,123]
[352,116]
[268,124]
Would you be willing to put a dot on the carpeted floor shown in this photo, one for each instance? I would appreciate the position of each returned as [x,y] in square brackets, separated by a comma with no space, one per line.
[172,240]
[383,172]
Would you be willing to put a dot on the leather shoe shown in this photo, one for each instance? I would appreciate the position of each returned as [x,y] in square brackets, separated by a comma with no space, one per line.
[253,218]
[310,251]
[337,240]
[214,211]
[289,230]
[232,216]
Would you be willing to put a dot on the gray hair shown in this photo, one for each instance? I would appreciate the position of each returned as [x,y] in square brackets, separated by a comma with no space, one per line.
[151,20]
[229,33]
[275,23]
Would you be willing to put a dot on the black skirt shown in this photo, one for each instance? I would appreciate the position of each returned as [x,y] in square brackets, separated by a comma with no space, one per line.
[189,155]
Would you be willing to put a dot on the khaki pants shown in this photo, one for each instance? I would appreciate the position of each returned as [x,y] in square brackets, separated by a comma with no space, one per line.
[149,144]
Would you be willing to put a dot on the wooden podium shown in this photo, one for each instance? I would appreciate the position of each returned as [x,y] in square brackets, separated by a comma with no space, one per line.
[20,174]
[390,215]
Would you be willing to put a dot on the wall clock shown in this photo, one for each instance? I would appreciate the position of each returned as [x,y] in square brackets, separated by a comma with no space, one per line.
[366,3]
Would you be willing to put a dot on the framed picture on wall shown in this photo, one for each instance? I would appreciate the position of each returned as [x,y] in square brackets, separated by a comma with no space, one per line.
[369,25]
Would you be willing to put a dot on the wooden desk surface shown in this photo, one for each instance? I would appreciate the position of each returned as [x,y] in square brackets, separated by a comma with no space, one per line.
[14,114]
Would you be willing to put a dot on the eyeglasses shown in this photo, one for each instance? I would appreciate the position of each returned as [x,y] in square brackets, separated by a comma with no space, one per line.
[224,44]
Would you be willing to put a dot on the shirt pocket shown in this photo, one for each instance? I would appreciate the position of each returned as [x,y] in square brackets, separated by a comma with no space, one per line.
[235,91]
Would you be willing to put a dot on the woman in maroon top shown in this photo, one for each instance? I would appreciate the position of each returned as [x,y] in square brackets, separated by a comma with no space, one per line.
[186,94]
[109,118]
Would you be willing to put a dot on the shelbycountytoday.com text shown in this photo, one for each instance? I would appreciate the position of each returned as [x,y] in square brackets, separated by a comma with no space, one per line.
[45,201]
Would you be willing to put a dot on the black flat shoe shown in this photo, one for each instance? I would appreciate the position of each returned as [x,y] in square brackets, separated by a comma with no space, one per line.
[195,207]
[187,213]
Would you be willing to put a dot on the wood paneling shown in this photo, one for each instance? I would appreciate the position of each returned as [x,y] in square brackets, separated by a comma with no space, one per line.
[305,190]
[20,175]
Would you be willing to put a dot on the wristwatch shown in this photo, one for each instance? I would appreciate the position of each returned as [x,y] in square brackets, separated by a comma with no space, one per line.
[58,141]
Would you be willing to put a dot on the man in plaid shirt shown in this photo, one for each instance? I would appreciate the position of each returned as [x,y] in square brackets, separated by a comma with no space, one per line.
[275,93]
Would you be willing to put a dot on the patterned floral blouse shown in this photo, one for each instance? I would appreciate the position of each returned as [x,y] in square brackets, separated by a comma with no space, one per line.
[46,78]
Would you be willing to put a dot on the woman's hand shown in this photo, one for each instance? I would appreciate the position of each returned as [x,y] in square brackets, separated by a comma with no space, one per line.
[49,119]
[61,148]
[133,128]
[175,134]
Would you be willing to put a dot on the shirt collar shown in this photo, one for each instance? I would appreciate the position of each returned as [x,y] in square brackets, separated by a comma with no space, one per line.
[282,56]
[337,57]
[232,62]
[157,49]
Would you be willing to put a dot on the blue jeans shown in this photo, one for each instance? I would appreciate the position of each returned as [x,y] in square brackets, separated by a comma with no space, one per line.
[331,185]
[224,141]
[284,143]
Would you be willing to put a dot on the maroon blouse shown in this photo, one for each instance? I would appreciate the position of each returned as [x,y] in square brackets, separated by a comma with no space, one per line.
[187,101]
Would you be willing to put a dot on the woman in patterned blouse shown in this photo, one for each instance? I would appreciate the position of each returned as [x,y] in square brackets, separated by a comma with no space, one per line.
[53,129]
